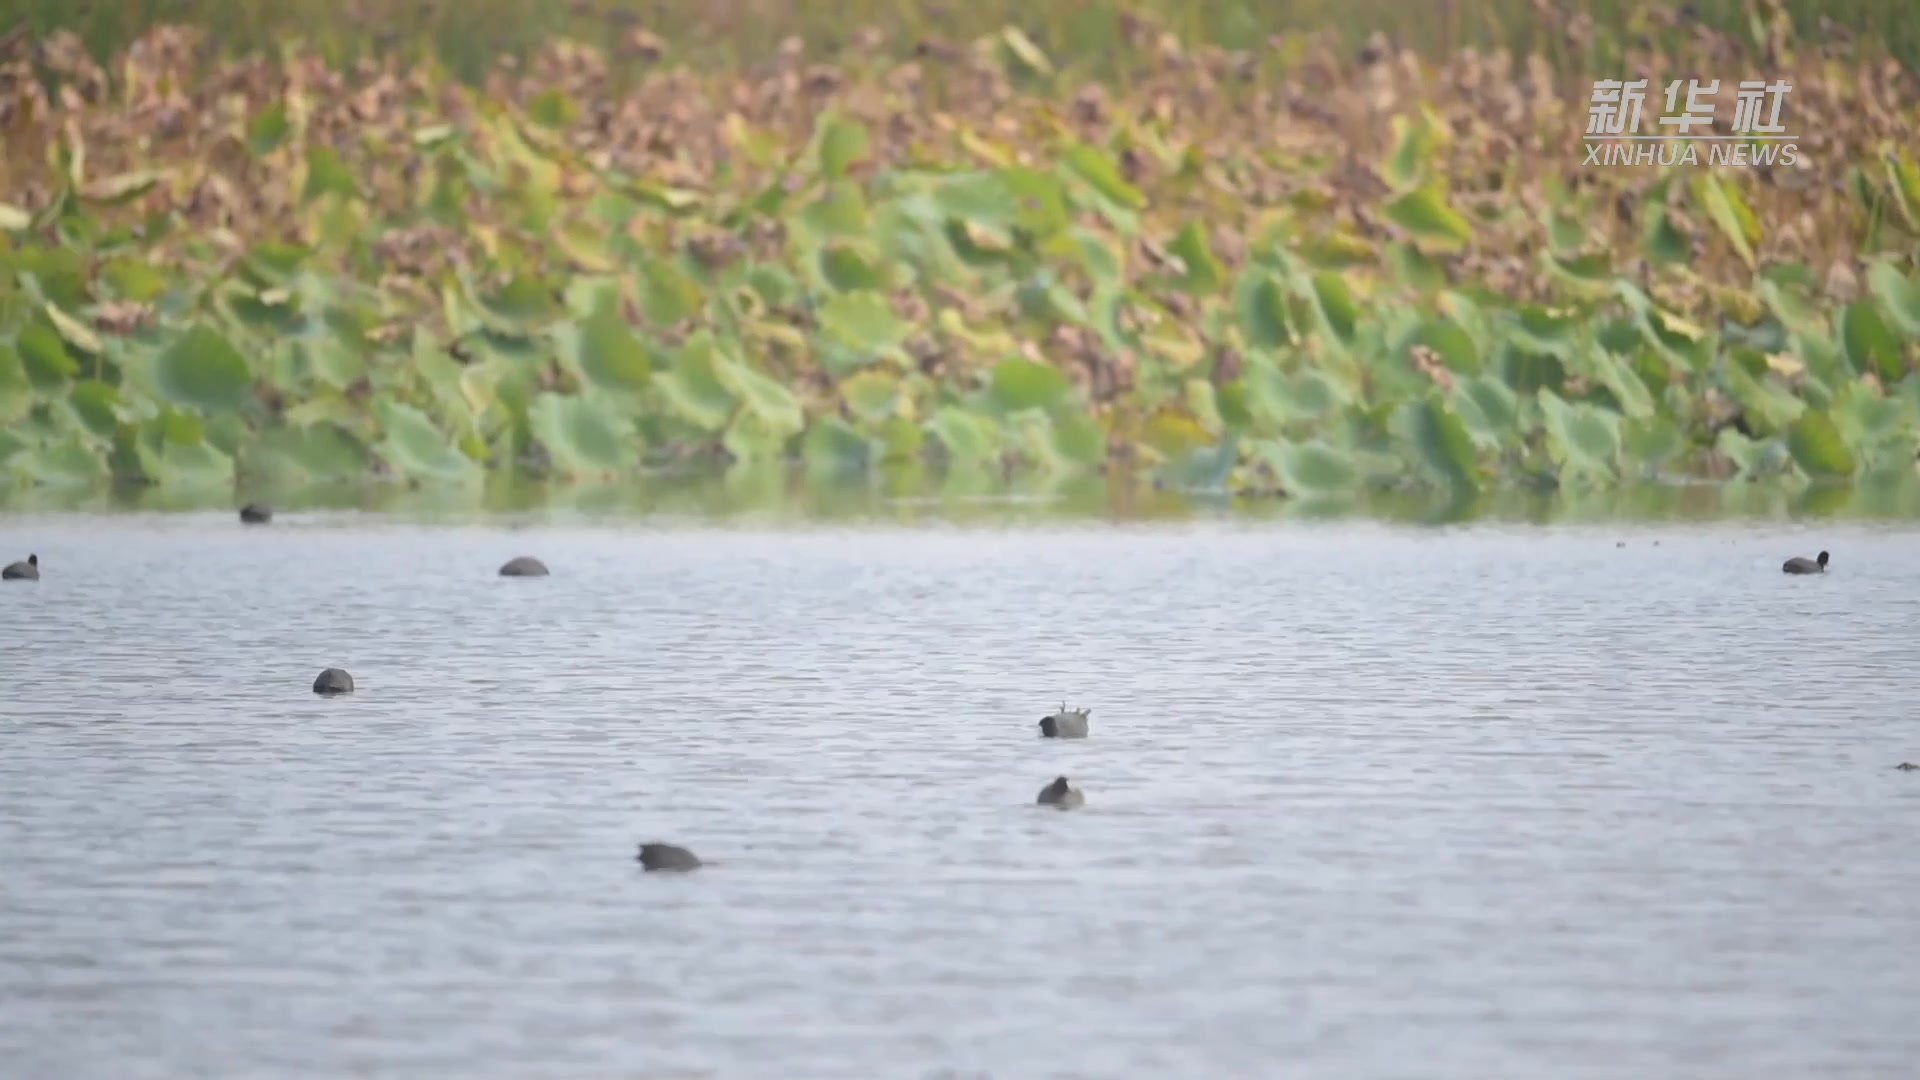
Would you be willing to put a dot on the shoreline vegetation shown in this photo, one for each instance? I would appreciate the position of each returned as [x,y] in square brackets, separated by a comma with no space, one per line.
[1301,268]
[1103,38]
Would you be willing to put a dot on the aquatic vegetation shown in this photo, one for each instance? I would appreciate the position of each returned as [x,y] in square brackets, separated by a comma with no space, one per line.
[1309,273]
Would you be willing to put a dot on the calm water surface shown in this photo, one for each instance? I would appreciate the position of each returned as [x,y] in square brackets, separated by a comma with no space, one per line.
[1363,802]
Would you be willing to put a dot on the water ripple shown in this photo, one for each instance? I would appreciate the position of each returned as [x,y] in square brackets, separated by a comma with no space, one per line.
[1363,802]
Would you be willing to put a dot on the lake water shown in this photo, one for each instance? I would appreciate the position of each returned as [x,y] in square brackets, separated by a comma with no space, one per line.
[1363,801]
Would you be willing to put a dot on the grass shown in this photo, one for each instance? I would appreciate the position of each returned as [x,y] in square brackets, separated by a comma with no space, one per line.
[1585,36]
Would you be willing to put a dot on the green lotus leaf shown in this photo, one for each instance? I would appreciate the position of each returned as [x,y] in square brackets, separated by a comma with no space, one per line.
[1819,449]
[1338,308]
[43,356]
[668,295]
[831,445]
[1415,269]
[842,144]
[317,451]
[607,352]
[173,461]
[202,370]
[1652,442]
[776,407]
[1899,295]
[16,389]
[1019,383]
[1204,273]
[693,387]
[414,447]
[582,436]
[327,174]
[1315,468]
[862,321]
[1583,440]
[98,406]
[1427,218]
[1729,212]
[1438,442]
[1260,306]
[71,460]
[1455,347]
[1098,170]
[1414,141]
[966,437]
[1869,344]
[871,396]
[1077,440]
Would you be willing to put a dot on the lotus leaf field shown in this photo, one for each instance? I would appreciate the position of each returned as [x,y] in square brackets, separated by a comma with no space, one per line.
[1299,271]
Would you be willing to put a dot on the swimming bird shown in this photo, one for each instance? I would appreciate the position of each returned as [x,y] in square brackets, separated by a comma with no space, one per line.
[524,566]
[1061,794]
[1801,565]
[256,514]
[1065,724]
[333,681]
[22,571]
[1907,766]
[667,857]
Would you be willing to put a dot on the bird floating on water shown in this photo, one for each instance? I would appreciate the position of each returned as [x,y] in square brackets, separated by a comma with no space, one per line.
[22,571]
[1061,794]
[256,514]
[333,681]
[1065,723]
[1802,565]
[524,566]
[667,857]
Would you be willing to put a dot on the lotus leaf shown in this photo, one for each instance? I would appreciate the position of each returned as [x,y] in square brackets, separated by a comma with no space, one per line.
[842,144]
[1028,257]
[1203,272]
[1316,468]
[1729,213]
[1584,440]
[318,451]
[831,445]
[1098,171]
[1439,442]
[964,436]
[1339,311]
[202,370]
[1426,217]
[1819,449]
[1019,383]
[582,437]
[1899,295]
[775,406]
[16,391]
[607,352]
[1869,344]
[413,447]
[694,388]
[862,321]
[1261,307]
[44,356]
